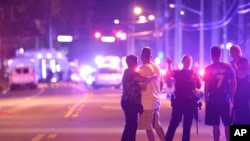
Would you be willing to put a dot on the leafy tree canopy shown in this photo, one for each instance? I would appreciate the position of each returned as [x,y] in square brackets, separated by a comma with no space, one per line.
[32,17]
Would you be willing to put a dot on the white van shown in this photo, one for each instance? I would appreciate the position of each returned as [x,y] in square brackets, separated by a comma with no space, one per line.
[22,77]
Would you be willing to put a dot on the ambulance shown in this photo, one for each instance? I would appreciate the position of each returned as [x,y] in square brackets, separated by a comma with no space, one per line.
[21,73]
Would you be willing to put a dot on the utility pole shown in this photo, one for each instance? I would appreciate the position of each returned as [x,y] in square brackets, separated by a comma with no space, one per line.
[2,68]
[166,28]
[201,43]
[157,26]
[241,25]
[215,33]
[178,34]
[131,30]
[1,59]
[50,36]
[50,27]
[225,51]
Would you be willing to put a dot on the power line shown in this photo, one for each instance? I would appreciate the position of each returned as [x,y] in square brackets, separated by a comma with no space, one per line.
[241,9]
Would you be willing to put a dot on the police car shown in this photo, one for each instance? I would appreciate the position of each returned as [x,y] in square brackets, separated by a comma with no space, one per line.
[107,76]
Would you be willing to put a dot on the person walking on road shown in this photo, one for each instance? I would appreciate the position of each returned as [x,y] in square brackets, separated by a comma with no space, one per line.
[220,85]
[184,101]
[150,117]
[241,105]
[131,98]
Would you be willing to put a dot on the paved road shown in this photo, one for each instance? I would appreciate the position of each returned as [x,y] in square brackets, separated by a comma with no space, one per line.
[64,112]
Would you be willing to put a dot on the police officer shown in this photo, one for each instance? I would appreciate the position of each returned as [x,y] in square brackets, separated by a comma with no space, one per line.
[241,98]
[184,102]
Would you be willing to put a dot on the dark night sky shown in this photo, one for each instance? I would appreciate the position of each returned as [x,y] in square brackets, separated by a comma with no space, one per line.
[105,11]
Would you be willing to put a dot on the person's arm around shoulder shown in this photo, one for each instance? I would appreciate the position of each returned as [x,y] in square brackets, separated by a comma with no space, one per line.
[140,78]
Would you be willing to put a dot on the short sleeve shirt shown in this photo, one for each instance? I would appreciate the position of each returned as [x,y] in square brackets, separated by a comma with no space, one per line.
[218,76]
[151,96]
[131,89]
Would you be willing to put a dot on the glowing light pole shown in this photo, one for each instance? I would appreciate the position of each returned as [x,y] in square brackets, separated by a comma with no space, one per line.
[135,19]
[131,30]
[201,29]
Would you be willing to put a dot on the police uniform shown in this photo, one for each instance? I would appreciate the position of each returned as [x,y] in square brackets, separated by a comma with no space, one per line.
[184,102]
[242,96]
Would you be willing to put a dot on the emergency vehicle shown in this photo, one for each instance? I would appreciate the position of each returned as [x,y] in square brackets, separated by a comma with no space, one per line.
[37,63]
[21,73]
[108,72]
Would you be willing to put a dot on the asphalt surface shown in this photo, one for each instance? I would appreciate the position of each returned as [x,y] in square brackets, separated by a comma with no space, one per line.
[68,112]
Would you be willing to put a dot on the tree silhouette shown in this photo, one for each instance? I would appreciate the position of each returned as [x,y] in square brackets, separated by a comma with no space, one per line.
[23,20]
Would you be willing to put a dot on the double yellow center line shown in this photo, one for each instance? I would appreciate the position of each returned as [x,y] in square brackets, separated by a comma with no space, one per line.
[72,111]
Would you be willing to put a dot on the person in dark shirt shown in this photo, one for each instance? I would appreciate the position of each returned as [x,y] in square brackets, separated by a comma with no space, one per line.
[241,99]
[184,103]
[220,85]
[131,97]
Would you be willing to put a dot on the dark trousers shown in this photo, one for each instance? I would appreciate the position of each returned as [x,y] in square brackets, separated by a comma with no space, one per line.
[177,112]
[242,111]
[131,116]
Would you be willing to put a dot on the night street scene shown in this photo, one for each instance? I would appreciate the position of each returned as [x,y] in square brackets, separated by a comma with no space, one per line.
[72,70]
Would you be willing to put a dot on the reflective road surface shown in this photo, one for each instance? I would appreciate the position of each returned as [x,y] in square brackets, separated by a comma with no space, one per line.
[72,112]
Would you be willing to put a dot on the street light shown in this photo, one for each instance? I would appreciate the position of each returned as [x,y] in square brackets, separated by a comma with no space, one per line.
[137,10]
[201,14]
[98,35]
[135,18]
[142,17]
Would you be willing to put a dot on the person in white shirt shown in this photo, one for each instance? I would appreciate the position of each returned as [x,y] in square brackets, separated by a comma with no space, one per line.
[150,99]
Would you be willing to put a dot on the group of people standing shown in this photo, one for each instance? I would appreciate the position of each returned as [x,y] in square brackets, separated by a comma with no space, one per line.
[227,93]
[226,87]
[141,87]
